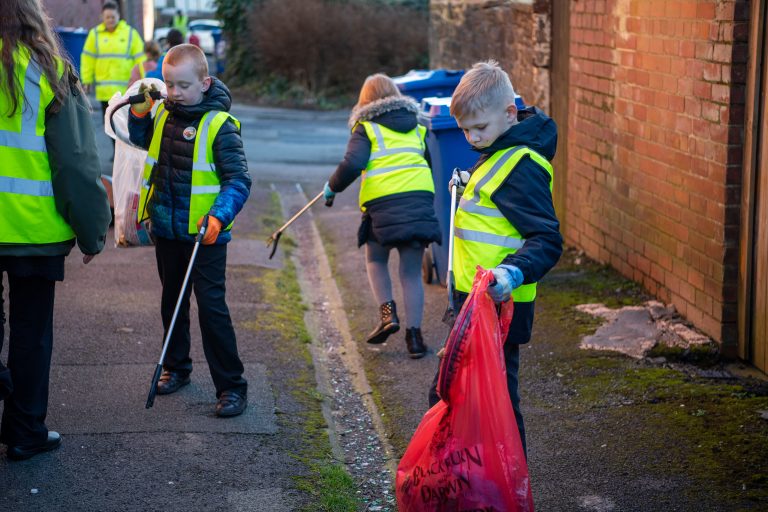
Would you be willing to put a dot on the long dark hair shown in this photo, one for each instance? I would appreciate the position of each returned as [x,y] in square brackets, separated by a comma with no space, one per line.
[25,22]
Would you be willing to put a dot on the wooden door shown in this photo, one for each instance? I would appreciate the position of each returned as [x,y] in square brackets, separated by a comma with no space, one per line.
[559,93]
[753,260]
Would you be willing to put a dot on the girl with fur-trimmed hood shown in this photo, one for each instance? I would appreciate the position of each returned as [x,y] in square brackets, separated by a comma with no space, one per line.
[396,196]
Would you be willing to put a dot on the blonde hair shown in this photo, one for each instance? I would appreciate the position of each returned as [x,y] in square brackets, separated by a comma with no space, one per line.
[484,86]
[377,87]
[191,52]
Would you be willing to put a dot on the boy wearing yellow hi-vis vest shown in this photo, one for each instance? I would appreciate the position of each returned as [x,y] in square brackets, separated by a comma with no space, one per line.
[505,220]
[195,167]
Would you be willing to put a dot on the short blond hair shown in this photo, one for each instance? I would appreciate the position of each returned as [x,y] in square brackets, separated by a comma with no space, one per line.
[377,87]
[484,86]
[191,52]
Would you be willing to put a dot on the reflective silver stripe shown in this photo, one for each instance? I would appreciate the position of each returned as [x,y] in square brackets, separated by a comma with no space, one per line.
[150,160]
[418,136]
[26,187]
[384,170]
[379,136]
[89,54]
[202,144]
[473,207]
[206,167]
[137,55]
[130,39]
[96,38]
[488,238]
[206,189]
[395,151]
[113,82]
[27,139]
[111,55]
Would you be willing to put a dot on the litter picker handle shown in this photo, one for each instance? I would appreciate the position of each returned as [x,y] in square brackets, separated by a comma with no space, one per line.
[153,386]
[274,238]
[139,98]
[159,367]
[329,202]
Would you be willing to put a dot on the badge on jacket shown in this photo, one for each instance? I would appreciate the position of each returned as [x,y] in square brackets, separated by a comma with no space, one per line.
[189,132]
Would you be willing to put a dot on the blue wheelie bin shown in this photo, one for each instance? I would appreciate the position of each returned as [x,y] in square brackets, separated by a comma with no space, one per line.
[424,83]
[73,40]
[448,149]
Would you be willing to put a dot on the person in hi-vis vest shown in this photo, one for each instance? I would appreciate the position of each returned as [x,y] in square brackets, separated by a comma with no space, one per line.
[195,167]
[505,219]
[111,50]
[51,197]
[387,148]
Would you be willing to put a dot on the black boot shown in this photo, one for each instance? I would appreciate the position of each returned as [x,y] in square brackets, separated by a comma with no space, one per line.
[415,343]
[389,324]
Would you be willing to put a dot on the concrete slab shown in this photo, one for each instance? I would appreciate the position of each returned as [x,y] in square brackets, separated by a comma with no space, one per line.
[113,399]
[631,332]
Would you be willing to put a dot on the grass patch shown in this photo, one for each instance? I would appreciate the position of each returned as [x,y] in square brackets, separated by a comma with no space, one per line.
[332,489]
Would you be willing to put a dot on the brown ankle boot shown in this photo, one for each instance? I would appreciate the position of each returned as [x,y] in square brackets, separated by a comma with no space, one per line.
[389,324]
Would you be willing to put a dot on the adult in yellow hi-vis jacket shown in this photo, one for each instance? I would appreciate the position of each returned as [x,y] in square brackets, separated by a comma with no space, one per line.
[51,198]
[111,50]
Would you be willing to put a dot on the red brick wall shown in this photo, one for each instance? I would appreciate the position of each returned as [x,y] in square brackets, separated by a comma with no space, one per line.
[656,120]
[74,13]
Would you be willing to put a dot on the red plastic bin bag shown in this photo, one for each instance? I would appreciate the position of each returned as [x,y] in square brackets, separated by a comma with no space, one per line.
[466,454]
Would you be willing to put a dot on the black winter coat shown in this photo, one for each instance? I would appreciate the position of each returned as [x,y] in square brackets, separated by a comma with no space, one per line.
[172,176]
[396,219]
[526,201]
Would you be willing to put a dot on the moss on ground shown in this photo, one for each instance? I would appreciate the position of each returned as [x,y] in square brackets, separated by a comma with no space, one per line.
[329,484]
[710,430]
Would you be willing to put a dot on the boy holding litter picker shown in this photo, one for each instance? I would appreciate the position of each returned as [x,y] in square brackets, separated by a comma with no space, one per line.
[195,167]
[505,220]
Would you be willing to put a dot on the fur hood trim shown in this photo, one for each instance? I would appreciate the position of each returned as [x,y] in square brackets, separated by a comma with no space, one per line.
[382,106]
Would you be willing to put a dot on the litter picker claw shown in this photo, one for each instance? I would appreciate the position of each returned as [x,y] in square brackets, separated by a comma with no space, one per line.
[274,238]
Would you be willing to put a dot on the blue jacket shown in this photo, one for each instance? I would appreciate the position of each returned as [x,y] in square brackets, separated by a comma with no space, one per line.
[526,201]
[172,176]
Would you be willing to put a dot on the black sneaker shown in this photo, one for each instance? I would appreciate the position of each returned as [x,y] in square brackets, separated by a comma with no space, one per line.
[27,452]
[231,403]
[171,382]
[415,343]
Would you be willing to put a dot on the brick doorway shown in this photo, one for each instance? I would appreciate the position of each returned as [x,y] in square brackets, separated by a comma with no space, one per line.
[753,262]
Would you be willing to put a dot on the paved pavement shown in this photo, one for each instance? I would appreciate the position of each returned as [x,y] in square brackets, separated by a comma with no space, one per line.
[116,454]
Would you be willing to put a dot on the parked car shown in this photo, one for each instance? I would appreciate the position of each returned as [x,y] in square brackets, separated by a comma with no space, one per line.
[204,30]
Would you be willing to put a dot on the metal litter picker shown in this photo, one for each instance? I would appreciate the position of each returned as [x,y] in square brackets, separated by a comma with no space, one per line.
[274,238]
[450,313]
[159,368]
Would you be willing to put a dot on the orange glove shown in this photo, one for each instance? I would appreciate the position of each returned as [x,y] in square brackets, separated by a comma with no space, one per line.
[212,231]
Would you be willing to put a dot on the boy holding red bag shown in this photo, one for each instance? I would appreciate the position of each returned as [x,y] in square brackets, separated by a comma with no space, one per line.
[506,218]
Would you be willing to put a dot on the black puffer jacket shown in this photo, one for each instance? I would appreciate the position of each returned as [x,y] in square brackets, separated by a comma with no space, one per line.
[172,176]
[398,218]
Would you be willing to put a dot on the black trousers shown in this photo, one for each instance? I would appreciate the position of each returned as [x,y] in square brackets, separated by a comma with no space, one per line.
[30,343]
[208,281]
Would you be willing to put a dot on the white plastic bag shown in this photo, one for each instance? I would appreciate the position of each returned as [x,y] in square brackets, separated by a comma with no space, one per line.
[127,171]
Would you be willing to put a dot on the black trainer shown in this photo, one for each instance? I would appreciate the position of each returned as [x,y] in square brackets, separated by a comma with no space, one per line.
[26,452]
[171,382]
[231,403]
[389,324]
[415,343]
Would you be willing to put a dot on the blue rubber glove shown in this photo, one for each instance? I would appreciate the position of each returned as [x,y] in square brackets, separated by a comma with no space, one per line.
[508,277]
[328,194]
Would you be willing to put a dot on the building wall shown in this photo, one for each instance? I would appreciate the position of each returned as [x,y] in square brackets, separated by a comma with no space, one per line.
[514,32]
[87,13]
[656,113]
[656,118]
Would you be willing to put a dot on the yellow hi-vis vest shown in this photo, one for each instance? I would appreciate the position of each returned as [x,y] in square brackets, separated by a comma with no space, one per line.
[205,179]
[483,236]
[396,164]
[109,57]
[27,206]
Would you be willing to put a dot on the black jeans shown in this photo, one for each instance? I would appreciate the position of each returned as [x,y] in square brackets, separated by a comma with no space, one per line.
[512,360]
[208,281]
[30,344]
